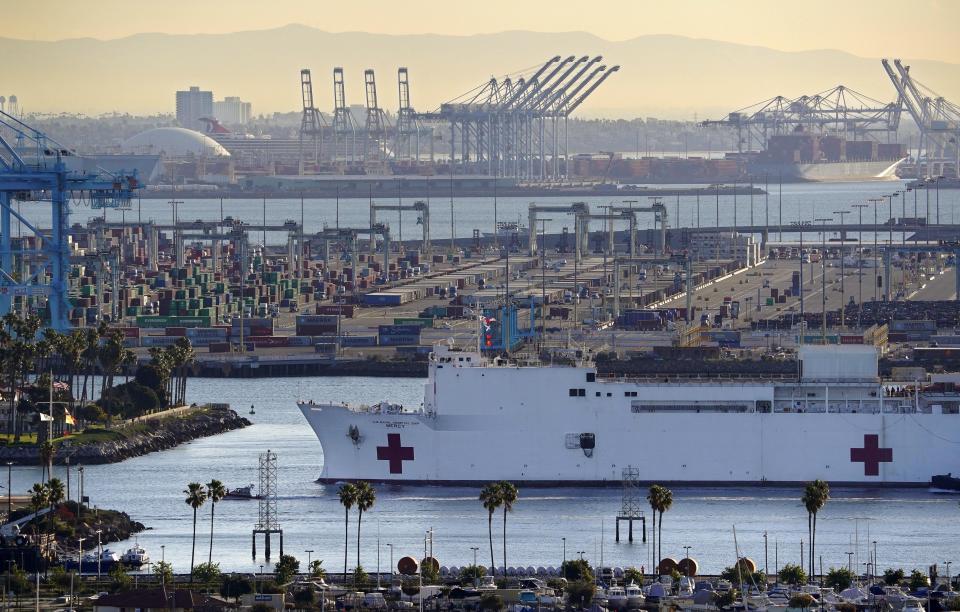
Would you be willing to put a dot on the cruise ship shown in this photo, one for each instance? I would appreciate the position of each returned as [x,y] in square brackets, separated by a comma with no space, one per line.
[488,419]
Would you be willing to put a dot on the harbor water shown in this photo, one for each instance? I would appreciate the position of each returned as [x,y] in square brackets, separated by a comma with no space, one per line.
[912,528]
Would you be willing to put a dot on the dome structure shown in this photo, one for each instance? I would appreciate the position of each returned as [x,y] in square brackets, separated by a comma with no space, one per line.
[174,142]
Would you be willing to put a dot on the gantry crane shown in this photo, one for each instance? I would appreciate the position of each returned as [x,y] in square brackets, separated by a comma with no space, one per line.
[311,121]
[343,122]
[376,125]
[35,169]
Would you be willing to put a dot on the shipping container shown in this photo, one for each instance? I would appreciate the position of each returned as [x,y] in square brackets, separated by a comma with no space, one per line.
[399,340]
[399,330]
[421,321]
[358,341]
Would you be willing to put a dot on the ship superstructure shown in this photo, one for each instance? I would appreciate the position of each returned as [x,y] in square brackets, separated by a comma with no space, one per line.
[484,420]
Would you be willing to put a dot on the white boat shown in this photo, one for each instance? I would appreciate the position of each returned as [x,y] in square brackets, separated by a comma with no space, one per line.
[616,598]
[564,425]
[635,598]
[487,583]
[136,556]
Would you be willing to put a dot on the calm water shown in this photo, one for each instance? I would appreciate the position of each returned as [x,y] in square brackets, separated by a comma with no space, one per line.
[800,202]
[912,528]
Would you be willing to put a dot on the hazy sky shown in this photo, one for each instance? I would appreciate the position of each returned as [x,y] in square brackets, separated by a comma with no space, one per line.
[873,28]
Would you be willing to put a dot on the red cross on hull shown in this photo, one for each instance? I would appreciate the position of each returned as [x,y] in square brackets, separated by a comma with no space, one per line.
[871,455]
[395,453]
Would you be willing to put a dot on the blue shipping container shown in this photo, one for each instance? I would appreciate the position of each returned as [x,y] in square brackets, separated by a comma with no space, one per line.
[399,340]
[354,341]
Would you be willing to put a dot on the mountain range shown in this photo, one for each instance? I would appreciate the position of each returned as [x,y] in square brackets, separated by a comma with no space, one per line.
[661,75]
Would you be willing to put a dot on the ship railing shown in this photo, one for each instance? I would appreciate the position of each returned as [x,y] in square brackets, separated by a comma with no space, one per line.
[693,377]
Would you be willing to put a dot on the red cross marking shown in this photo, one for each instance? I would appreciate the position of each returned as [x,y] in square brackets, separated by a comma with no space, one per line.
[394,453]
[871,455]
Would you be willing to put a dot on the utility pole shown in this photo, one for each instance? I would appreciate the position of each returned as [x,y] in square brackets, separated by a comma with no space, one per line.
[860,208]
[843,293]
[803,322]
[876,246]
[823,278]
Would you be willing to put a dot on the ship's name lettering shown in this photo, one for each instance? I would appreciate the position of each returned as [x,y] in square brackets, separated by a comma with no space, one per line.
[393,424]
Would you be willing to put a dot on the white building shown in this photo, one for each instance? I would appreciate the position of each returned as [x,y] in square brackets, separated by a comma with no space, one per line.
[232,111]
[192,105]
[713,245]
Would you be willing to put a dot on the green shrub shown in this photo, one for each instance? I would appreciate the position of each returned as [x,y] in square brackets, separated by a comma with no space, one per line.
[918,580]
[892,576]
[580,593]
[793,574]
[839,578]
[469,574]
[576,570]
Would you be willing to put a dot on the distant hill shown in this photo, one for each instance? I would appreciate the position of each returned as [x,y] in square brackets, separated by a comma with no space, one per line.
[662,76]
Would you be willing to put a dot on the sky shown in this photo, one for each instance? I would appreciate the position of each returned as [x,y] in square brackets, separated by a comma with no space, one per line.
[921,29]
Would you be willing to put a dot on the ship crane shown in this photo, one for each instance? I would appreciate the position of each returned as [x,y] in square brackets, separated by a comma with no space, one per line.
[937,118]
[376,125]
[343,123]
[39,170]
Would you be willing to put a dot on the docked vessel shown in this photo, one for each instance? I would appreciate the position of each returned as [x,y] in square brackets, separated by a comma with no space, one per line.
[490,419]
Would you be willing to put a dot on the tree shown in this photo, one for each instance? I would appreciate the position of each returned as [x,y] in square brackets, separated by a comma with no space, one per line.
[508,497]
[215,492]
[839,578]
[56,492]
[317,572]
[348,497]
[577,569]
[120,580]
[661,499]
[207,573]
[580,593]
[235,585]
[163,570]
[632,574]
[815,496]
[361,578]
[47,451]
[739,572]
[196,496]
[918,580]
[726,599]
[366,497]
[892,576]
[286,568]
[490,497]
[39,498]
[470,574]
[792,574]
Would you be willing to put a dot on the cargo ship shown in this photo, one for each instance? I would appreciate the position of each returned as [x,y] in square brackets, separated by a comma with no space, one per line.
[802,156]
[485,419]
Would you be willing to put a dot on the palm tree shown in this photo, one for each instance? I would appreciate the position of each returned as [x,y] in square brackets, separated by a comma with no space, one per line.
[815,496]
[39,498]
[490,497]
[508,496]
[56,492]
[365,499]
[661,499]
[196,495]
[215,492]
[348,497]
[47,452]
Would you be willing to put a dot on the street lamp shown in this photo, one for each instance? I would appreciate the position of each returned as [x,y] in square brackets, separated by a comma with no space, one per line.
[686,556]
[391,559]
[843,292]
[876,245]
[800,225]
[309,553]
[476,574]
[823,277]
[850,562]
[860,208]
[99,552]
[949,585]
[564,550]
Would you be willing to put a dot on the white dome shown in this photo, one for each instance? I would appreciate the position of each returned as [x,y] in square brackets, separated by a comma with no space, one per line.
[174,142]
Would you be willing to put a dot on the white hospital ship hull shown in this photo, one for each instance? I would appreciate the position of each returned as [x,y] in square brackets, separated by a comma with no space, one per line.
[533,426]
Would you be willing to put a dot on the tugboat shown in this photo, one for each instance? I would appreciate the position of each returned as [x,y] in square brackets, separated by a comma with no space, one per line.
[242,493]
[945,483]
[136,556]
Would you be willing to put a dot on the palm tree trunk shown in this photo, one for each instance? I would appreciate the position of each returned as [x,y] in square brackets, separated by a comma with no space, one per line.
[813,546]
[359,518]
[193,548]
[493,564]
[653,533]
[213,505]
[346,541]
[809,541]
[504,538]
[659,540]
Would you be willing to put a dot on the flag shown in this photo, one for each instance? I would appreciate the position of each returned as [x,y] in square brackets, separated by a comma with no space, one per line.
[45,417]
[68,418]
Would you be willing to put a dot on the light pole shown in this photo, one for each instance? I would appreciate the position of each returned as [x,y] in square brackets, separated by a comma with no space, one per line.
[766,558]
[949,585]
[564,551]
[849,561]
[876,245]
[309,553]
[79,567]
[800,225]
[9,492]
[476,574]
[860,208]
[843,292]
[99,553]
[391,559]
[686,557]
[580,552]
[875,566]
[823,277]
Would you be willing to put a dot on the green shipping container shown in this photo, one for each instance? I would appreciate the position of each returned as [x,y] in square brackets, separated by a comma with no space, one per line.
[422,322]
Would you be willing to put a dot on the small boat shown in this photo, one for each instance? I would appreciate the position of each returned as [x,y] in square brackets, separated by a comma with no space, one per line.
[136,556]
[945,483]
[487,583]
[616,598]
[635,598]
[242,493]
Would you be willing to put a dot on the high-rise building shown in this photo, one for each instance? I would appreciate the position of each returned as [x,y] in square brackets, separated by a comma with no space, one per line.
[192,105]
[232,111]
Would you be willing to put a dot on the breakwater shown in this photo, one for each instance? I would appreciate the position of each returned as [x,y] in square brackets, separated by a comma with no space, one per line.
[147,435]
